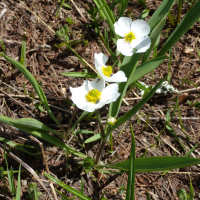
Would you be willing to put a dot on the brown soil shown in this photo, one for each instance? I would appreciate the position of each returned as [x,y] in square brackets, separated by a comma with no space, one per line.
[36,19]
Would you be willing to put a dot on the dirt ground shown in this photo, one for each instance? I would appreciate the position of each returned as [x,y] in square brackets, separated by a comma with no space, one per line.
[46,61]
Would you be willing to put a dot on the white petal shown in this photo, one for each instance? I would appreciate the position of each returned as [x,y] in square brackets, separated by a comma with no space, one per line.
[97,83]
[117,77]
[136,42]
[144,45]
[122,26]
[110,94]
[140,28]
[124,47]
[100,59]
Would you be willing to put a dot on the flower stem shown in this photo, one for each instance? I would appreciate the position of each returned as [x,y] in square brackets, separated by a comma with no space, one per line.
[100,124]
[102,145]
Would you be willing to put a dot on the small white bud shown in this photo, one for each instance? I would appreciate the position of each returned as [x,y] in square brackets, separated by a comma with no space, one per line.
[111,121]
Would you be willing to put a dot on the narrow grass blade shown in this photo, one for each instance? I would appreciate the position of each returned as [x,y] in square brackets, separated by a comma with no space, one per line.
[191,194]
[62,195]
[152,164]
[17,146]
[10,176]
[106,13]
[78,121]
[123,8]
[173,133]
[35,193]
[18,195]
[32,124]
[188,21]
[131,174]
[80,74]
[135,109]
[43,135]
[161,12]
[60,7]
[154,36]
[23,52]
[146,67]
[35,85]
[68,188]
[191,150]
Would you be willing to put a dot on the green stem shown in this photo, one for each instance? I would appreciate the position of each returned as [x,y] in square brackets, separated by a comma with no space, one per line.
[100,124]
[180,3]
[102,145]
[171,20]
[111,142]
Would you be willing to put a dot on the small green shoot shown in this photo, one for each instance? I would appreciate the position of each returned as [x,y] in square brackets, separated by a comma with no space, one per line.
[32,191]
[181,193]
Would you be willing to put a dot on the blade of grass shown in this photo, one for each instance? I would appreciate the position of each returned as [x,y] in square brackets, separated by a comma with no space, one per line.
[188,21]
[35,85]
[18,195]
[80,74]
[68,188]
[131,174]
[43,135]
[23,52]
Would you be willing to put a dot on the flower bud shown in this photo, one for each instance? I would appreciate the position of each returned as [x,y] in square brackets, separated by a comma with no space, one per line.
[111,121]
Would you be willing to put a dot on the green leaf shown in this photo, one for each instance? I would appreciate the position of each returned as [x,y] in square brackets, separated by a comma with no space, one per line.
[35,85]
[191,150]
[173,133]
[18,195]
[146,67]
[128,67]
[70,20]
[17,146]
[68,188]
[93,138]
[80,74]
[32,124]
[131,174]
[154,36]
[152,164]
[191,194]
[84,131]
[142,87]
[43,135]
[77,121]
[188,21]
[62,195]
[23,52]
[160,13]
[106,13]
[181,193]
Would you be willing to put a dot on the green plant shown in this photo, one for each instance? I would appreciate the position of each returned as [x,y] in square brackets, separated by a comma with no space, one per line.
[133,56]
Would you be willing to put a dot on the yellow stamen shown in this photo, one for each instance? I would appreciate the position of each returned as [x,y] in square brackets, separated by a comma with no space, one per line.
[93,96]
[107,71]
[130,36]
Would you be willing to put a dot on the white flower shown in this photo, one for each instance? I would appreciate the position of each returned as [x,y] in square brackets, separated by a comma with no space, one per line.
[106,72]
[135,35]
[93,95]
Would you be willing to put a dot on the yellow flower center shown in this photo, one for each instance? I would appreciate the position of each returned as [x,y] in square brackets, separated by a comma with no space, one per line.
[93,96]
[107,71]
[130,36]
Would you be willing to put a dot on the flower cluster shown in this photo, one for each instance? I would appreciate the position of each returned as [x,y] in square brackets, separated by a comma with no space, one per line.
[94,94]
